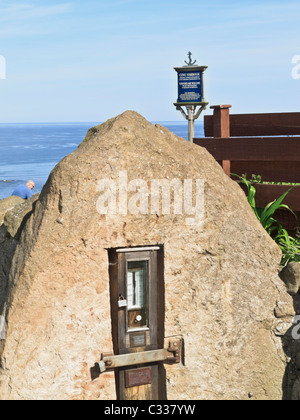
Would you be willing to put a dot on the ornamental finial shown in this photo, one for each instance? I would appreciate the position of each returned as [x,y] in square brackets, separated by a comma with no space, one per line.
[191,62]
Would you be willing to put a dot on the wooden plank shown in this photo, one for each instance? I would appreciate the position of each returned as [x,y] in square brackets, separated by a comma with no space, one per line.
[114,296]
[268,193]
[269,171]
[265,194]
[253,149]
[276,124]
[288,221]
[209,125]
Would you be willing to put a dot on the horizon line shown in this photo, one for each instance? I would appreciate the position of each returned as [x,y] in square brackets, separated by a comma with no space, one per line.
[89,122]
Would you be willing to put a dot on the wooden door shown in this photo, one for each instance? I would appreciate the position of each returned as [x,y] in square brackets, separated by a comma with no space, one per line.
[137,300]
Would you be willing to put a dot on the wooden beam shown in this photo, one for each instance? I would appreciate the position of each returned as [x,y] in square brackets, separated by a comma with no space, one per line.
[266,193]
[277,124]
[221,128]
[269,149]
[269,171]
[226,164]
[221,120]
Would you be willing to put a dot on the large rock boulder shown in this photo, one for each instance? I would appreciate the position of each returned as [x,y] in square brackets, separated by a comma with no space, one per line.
[221,276]
[291,276]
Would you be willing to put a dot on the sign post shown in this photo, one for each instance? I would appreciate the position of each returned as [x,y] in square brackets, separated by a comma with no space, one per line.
[191,92]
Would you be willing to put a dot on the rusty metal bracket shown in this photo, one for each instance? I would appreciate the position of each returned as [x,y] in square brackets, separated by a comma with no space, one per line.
[171,355]
[175,347]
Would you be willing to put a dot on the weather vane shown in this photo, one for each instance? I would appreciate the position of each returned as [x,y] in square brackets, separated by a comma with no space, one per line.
[191,62]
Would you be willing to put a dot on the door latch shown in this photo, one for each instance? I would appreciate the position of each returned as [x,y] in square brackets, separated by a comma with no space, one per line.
[171,355]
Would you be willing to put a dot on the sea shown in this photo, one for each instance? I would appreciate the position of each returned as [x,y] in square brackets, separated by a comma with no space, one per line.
[31,151]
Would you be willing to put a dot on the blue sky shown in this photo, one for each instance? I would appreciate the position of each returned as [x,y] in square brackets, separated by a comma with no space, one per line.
[91,60]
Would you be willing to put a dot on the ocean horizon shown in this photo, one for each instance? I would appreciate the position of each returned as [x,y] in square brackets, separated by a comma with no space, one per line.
[32,150]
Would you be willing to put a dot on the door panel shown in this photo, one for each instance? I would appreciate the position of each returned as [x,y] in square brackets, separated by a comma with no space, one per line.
[137,317]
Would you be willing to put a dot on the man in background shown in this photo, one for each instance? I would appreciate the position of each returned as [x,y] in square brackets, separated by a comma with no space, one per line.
[24,191]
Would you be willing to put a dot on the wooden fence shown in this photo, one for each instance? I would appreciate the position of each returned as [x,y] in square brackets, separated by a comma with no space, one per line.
[260,144]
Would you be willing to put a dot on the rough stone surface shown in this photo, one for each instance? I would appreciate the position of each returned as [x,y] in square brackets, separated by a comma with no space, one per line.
[14,217]
[221,279]
[291,276]
[14,212]
[7,204]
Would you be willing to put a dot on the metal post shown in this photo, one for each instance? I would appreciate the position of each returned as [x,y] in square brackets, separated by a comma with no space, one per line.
[191,119]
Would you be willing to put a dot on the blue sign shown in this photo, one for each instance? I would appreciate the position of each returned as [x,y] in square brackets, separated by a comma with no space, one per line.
[190,86]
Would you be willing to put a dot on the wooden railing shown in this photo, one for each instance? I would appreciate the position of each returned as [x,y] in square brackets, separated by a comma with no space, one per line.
[251,144]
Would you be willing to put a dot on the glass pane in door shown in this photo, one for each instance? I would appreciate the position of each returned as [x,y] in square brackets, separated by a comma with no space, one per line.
[137,294]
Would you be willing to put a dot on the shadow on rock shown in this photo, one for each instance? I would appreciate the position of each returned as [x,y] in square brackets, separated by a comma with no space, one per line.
[291,339]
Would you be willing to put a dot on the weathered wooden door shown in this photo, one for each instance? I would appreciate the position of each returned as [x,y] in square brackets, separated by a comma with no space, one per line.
[137,300]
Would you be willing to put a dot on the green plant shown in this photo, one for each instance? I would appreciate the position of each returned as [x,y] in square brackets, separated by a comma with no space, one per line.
[290,246]
[266,215]
[257,179]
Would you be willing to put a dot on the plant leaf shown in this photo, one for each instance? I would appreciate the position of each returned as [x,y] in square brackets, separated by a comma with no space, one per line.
[272,207]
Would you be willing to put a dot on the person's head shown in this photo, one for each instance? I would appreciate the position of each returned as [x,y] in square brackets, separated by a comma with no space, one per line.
[30,185]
